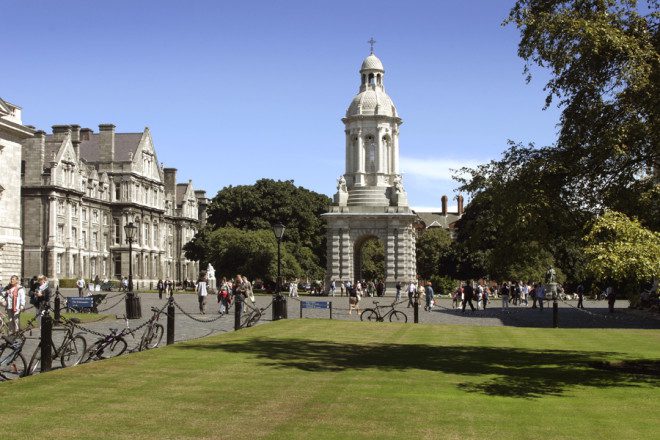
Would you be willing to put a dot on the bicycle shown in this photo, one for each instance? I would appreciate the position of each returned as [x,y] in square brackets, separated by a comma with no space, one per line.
[110,345]
[71,349]
[154,332]
[375,315]
[12,361]
[251,316]
[4,324]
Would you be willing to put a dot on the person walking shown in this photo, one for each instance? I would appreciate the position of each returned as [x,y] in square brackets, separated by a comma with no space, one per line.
[15,298]
[160,286]
[354,297]
[611,298]
[580,294]
[223,296]
[333,287]
[202,292]
[468,294]
[540,295]
[380,288]
[412,290]
[80,284]
[484,297]
[428,291]
[504,293]
[397,296]
[342,288]
[457,297]
[41,296]
[239,293]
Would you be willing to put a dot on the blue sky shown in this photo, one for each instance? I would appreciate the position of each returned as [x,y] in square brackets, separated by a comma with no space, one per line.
[236,91]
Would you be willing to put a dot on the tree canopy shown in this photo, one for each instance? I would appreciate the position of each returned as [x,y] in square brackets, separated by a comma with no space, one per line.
[533,206]
[239,238]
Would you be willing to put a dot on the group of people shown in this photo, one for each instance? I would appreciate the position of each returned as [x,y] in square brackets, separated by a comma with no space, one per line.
[239,289]
[13,298]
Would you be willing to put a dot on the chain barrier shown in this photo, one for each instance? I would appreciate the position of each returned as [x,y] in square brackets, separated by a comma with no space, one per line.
[197,319]
[108,308]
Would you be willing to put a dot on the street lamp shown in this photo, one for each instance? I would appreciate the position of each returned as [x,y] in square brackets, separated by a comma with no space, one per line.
[130,230]
[279,301]
[278,230]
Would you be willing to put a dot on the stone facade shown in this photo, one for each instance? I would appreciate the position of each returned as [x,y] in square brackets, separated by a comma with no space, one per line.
[79,190]
[12,133]
[370,201]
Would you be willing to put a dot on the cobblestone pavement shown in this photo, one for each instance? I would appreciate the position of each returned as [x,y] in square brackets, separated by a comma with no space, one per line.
[188,325]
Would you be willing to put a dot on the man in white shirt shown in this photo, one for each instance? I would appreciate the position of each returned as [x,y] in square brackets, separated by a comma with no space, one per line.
[81,285]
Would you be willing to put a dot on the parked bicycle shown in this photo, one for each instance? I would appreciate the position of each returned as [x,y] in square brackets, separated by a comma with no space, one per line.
[70,351]
[12,361]
[153,333]
[251,316]
[111,345]
[374,314]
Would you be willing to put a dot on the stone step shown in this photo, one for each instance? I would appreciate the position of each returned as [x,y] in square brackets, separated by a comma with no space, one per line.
[368,196]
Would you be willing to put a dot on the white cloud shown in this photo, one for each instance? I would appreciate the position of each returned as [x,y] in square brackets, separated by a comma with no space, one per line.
[433,169]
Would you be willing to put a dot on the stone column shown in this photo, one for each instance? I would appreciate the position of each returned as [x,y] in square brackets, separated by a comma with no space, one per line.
[395,151]
[390,258]
[349,152]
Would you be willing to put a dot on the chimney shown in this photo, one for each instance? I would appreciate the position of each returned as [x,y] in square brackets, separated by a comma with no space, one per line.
[60,132]
[170,181]
[86,134]
[106,142]
[202,205]
[444,205]
[75,139]
[460,204]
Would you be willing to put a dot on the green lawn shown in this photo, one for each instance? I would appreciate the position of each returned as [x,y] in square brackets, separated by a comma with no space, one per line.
[309,379]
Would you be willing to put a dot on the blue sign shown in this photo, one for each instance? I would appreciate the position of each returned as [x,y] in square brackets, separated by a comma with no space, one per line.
[79,303]
[315,304]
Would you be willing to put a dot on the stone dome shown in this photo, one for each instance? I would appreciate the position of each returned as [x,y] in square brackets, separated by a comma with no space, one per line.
[372,62]
[366,103]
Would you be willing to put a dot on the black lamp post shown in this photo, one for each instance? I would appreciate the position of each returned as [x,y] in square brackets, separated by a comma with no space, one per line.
[278,230]
[130,230]
[279,301]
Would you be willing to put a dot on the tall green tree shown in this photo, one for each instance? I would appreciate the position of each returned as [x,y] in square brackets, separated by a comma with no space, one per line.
[432,245]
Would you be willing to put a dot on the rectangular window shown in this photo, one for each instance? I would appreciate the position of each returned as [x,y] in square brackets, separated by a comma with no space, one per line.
[58,264]
[105,219]
[95,216]
[104,244]
[84,215]
[84,239]
[74,237]
[60,233]
[74,210]
[117,192]
[117,231]
[95,240]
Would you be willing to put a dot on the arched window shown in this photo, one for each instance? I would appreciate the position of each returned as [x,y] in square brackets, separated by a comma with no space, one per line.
[371,79]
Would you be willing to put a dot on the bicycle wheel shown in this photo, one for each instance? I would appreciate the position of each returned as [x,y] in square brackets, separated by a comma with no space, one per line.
[94,352]
[398,316]
[369,315]
[35,361]
[256,316]
[14,369]
[152,337]
[73,352]
[116,348]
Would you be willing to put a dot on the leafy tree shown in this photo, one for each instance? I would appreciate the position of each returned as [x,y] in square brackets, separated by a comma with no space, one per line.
[622,251]
[373,260]
[533,206]
[254,208]
[603,55]
[252,253]
[258,206]
[432,245]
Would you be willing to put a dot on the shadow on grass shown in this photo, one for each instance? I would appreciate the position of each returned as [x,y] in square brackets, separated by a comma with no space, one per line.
[518,373]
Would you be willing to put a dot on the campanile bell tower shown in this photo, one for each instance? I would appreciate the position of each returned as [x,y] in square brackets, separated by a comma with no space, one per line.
[370,201]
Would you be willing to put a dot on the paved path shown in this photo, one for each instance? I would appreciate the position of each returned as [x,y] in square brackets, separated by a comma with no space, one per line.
[188,326]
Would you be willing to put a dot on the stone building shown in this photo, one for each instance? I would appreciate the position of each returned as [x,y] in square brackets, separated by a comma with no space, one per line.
[79,190]
[444,219]
[371,202]
[12,133]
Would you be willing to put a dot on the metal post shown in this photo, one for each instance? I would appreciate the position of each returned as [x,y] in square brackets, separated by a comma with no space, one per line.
[46,341]
[300,309]
[170,321]
[330,310]
[130,265]
[555,314]
[416,309]
[237,311]
[279,265]
[58,314]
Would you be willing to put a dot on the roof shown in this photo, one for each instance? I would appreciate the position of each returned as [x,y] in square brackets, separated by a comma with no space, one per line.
[372,62]
[365,103]
[125,143]
[435,219]
[181,189]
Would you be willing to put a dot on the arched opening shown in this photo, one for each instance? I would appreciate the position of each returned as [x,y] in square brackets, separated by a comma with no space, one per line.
[378,79]
[371,79]
[364,78]
[369,259]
